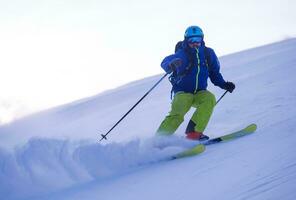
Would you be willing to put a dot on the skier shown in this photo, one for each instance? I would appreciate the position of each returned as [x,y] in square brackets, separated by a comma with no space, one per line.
[191,65]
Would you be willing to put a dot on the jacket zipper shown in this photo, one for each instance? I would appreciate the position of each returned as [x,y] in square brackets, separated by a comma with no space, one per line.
[198,70]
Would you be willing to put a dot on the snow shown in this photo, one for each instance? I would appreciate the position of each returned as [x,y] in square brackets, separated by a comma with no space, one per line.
[56,154]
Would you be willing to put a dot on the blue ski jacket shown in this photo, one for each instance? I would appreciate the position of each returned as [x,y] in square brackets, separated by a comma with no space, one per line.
[197,66]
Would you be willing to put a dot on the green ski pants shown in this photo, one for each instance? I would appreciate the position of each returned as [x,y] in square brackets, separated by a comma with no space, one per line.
[204,102]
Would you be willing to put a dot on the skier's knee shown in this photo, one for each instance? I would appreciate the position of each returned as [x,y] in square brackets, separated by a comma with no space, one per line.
[210,99]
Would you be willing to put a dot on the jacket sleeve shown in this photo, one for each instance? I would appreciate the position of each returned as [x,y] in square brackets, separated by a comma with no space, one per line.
[166,61]
[214,70]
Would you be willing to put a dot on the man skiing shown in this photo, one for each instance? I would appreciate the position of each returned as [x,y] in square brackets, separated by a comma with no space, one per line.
[191,65]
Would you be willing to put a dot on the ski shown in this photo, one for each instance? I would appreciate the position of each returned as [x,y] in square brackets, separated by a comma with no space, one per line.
[198,149]
[245,131]
[201,146]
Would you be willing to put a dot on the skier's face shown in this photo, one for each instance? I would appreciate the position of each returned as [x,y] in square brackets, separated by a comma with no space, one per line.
[194,45]
[194,42]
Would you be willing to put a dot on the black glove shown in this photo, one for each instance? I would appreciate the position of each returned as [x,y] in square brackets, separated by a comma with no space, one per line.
[175,63]
[229,86]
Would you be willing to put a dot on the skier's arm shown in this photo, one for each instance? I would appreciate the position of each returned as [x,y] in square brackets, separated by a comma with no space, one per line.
[214,70]
[171,62]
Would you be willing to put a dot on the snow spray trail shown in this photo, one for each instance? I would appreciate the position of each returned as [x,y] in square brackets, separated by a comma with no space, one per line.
[45,165]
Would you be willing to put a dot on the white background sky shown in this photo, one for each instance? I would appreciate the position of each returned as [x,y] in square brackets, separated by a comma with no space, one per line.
[56,51]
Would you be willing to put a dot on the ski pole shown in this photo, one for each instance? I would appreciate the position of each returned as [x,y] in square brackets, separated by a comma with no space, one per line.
[221,97]
[104,135]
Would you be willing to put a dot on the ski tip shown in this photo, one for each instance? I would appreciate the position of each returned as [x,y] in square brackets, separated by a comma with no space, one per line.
[251,128]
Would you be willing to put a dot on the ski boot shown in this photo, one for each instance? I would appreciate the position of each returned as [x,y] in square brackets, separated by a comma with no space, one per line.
[196,136]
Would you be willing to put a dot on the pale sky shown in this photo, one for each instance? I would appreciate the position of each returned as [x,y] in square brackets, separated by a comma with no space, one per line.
[56,51]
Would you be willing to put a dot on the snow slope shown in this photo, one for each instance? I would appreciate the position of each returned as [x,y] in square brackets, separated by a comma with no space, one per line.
[55,154]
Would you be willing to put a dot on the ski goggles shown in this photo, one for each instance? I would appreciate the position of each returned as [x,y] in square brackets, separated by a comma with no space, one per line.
[194,40]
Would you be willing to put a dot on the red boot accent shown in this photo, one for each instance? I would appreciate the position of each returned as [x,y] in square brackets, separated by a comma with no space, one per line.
[194,135]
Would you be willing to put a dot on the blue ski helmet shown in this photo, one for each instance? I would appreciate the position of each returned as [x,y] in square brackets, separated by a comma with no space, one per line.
[193,31]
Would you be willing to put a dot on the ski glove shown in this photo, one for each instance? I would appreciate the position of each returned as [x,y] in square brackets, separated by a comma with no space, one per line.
[229,86]
[175,63]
